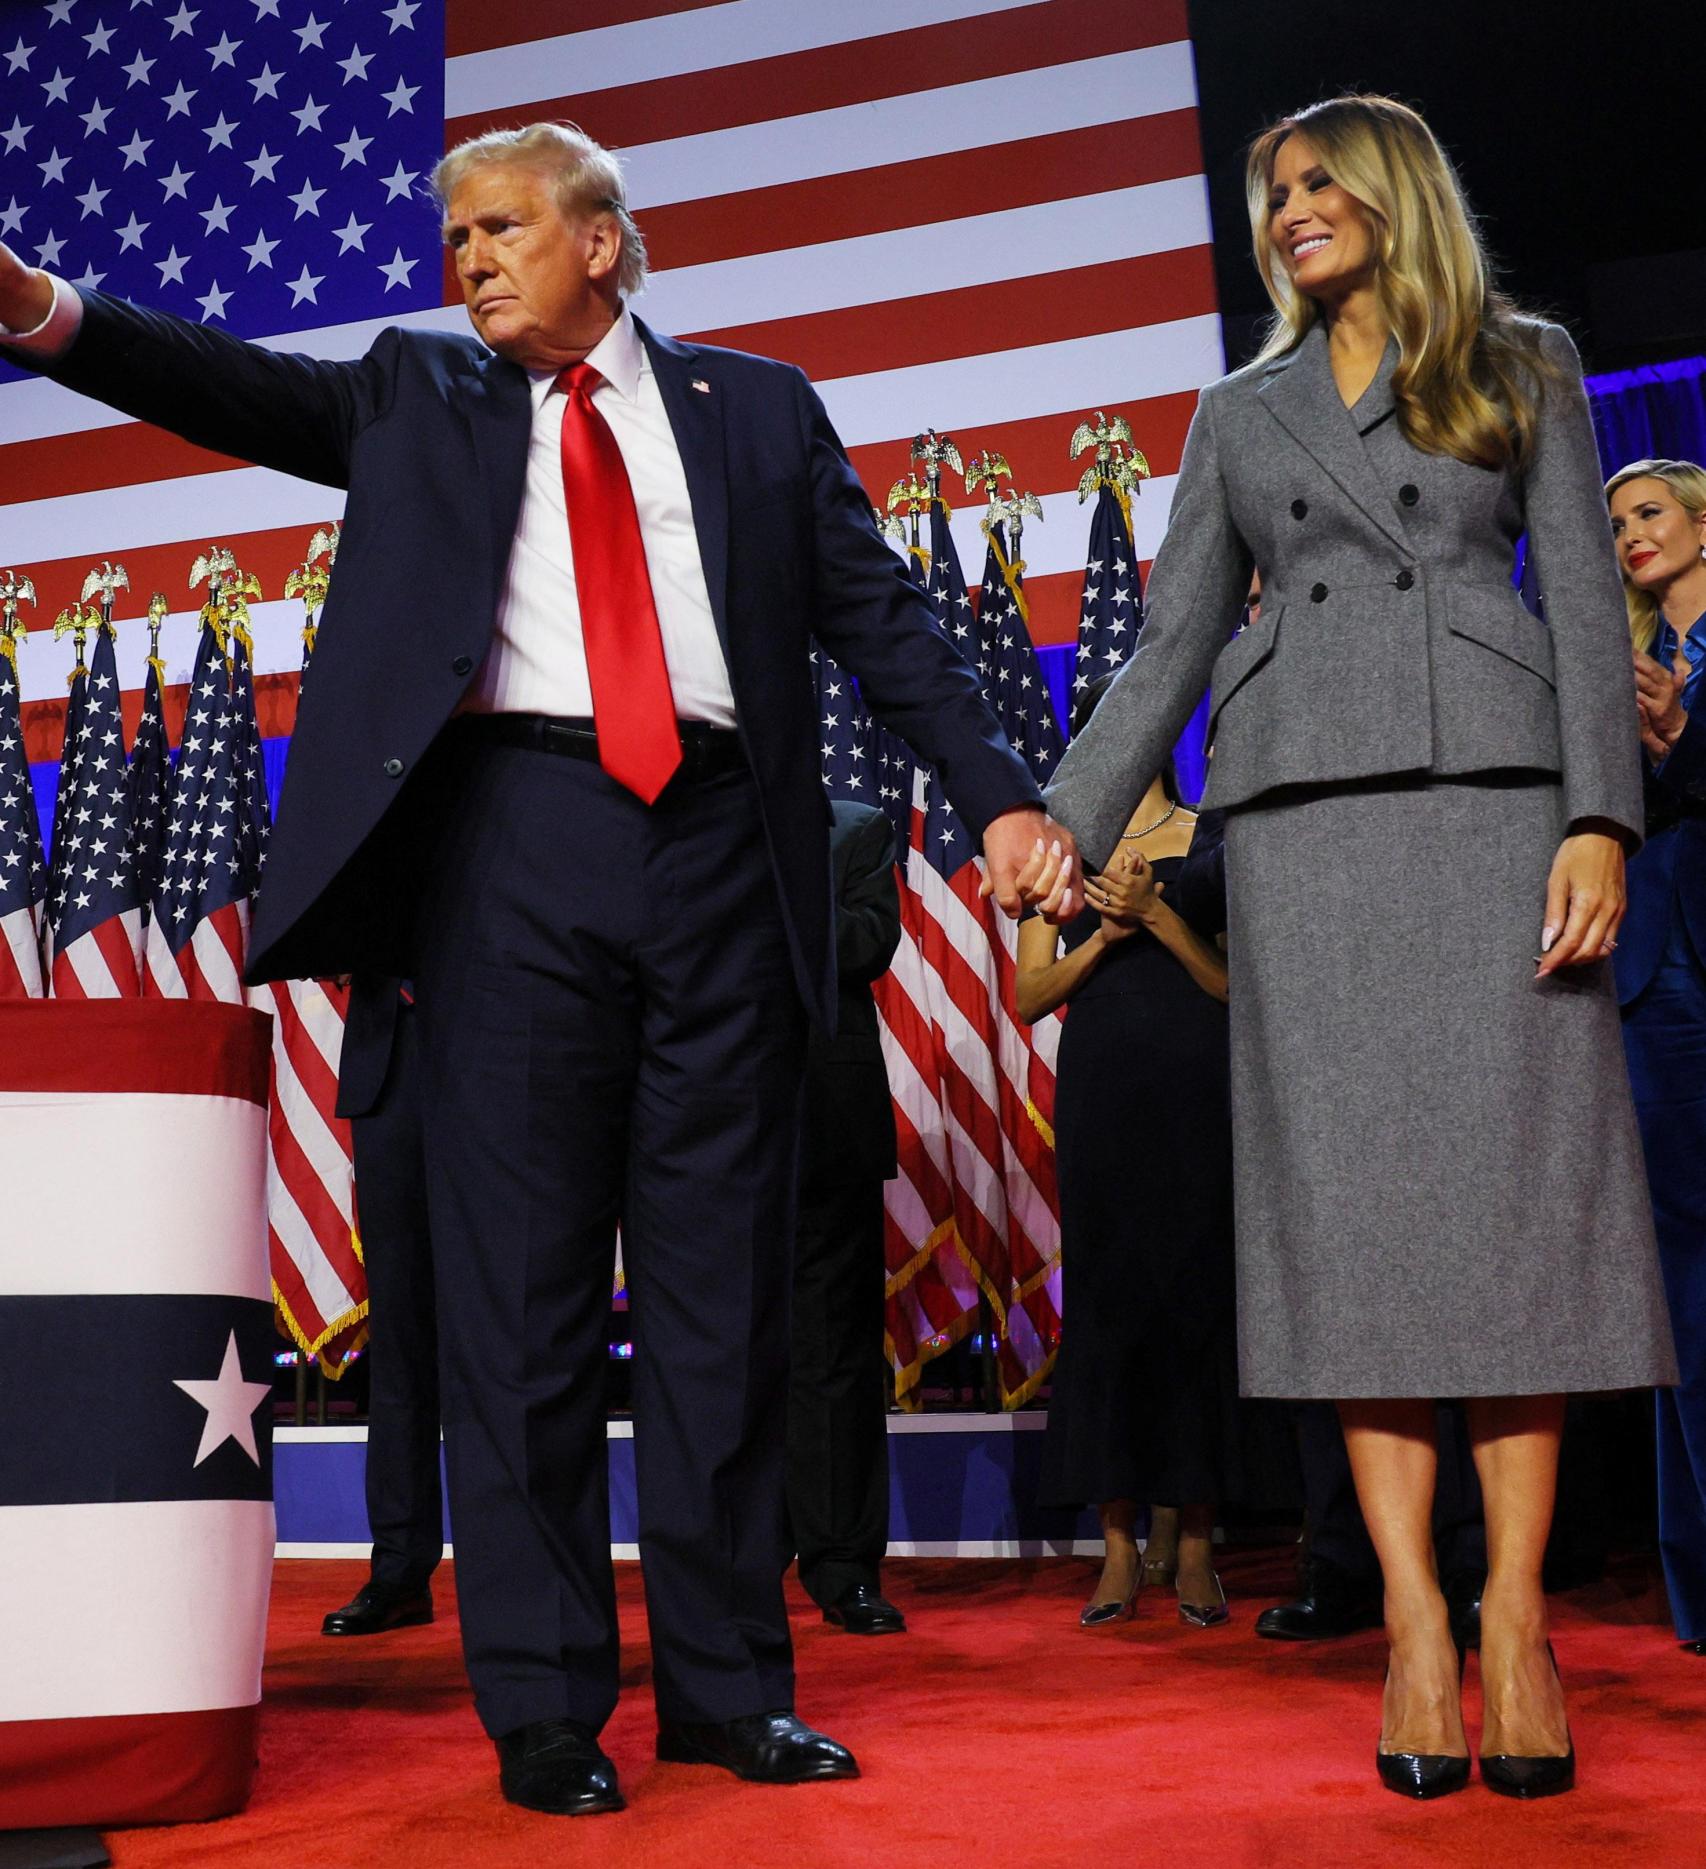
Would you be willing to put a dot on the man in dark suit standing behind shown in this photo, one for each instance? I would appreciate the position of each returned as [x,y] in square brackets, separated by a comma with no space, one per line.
[558,764]
[379,1091]
[838,1470]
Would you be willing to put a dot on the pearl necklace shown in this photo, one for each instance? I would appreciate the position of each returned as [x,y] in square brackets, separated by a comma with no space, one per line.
[1132,836]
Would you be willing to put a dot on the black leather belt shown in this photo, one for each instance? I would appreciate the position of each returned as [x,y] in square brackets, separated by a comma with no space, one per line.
[705,751]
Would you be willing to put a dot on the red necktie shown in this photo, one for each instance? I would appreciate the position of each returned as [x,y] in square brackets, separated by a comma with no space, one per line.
[632,707]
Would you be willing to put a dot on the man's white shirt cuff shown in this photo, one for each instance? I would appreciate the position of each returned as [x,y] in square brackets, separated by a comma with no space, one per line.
[52,337]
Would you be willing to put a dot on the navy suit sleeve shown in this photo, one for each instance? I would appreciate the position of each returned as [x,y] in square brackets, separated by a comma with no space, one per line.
[867,904]
[876,622]
[296,414]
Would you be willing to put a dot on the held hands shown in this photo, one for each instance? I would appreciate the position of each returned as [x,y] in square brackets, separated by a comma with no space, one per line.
[1584,901]
[1124,894]
[26,296]
[1658,703]
[1031,862]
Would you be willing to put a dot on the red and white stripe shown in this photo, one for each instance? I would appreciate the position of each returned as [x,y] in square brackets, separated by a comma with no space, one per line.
[21,975]
[210,965]
[102,964]
[319,1282]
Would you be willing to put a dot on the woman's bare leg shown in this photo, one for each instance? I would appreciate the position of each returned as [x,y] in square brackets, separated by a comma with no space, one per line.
[1119,1551]
[1394,1460]
[1516,1440]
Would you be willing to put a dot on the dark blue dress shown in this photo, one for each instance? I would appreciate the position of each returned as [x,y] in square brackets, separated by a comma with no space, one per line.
[1661,982]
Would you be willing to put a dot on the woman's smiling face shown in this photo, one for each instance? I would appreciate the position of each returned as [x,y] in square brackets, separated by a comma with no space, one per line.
[1323,235]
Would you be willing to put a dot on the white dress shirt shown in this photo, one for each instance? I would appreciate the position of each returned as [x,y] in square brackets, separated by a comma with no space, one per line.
[537,661]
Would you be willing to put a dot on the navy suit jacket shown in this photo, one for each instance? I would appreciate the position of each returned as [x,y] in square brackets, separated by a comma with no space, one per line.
[1669,872]
[429,433]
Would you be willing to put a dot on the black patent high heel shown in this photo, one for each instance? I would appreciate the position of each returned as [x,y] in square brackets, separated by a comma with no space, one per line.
[1519,1775]
[1425,1774]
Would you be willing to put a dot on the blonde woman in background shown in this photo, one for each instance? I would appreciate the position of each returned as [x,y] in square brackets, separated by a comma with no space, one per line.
[1658,518]
[1428,797]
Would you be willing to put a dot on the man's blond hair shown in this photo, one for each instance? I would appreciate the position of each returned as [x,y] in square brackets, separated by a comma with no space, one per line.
[585,177]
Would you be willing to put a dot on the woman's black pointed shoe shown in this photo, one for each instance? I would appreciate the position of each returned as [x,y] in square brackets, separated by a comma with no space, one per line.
[1517,1775]
[1425,1774]
[1514,1776]
[1422,1774]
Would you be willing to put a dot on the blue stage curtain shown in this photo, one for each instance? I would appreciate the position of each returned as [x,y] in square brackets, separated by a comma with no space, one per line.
[1656,412]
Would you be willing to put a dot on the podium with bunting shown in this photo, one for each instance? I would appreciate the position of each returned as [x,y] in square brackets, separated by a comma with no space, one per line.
[136,1360]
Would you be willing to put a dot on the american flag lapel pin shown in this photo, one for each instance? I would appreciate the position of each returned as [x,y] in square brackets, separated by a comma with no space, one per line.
[702,386]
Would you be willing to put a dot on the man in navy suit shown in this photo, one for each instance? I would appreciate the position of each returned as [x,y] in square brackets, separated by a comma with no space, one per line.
[558,764]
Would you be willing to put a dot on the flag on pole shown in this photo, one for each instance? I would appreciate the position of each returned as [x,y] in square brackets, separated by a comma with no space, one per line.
[23,874]
[150,787]
[1004,1229]
[1111,606]
[319,1281]
[95,911]
[198,933]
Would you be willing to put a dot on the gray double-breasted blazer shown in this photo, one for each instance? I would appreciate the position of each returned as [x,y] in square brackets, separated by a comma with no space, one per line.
[1390,639]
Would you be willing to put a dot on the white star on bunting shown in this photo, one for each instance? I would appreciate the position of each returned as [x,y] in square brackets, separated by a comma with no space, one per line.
[230,1400]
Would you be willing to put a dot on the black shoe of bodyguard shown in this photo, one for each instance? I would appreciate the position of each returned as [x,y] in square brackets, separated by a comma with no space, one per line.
[1331,1604]
[1463,1606]
[764,1748]
[557,1766]
[377,1607]
[864,1610]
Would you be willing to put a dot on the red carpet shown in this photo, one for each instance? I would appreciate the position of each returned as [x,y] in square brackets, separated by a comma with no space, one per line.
[994,1732]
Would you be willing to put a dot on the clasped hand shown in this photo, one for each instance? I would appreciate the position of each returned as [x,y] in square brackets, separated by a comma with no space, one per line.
[1124,894]
[1030,862]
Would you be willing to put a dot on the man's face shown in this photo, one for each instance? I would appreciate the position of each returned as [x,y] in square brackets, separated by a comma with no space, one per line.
[540,288]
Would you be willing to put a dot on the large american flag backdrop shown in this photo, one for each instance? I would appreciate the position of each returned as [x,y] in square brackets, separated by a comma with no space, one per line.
[985,216]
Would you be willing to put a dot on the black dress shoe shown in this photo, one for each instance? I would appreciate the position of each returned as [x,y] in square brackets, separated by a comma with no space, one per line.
[766,1748]
[1332,1604]
[557,1766]
[864,1610]
[1463,1606]
[376,1607]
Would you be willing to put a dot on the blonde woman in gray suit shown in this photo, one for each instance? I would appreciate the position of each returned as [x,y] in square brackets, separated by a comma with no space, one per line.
[1429,798]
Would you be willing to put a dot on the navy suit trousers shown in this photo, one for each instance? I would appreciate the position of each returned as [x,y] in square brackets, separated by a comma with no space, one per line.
[405,1505]
[611,1034]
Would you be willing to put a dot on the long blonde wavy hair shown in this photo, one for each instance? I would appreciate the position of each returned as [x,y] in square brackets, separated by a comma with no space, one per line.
[1470,370]
[1687,480]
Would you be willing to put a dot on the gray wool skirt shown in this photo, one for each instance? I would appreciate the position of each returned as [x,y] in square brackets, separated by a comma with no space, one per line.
[1439,1181]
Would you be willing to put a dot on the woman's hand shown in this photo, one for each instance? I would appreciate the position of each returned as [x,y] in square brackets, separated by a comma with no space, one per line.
[1124,894]
[1584,900]
[1658,702]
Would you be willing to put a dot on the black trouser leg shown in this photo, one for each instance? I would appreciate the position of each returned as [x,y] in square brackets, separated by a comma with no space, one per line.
[838,1472]
[405,1506]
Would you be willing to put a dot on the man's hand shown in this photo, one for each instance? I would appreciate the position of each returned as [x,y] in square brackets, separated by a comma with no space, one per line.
[26,296]
[1032,862]
[1584,900]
